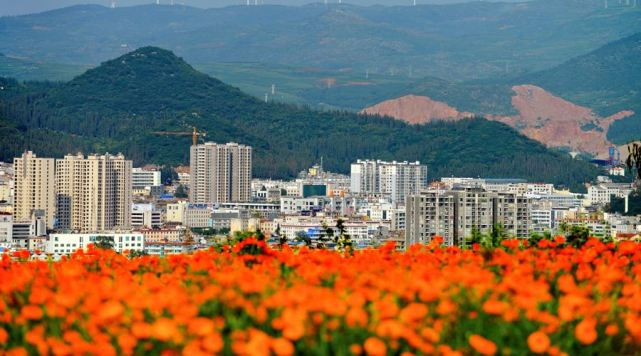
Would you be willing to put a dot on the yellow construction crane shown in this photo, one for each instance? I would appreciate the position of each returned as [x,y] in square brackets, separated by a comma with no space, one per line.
[194,134]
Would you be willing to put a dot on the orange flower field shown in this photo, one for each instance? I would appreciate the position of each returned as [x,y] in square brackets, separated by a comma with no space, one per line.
[514,300]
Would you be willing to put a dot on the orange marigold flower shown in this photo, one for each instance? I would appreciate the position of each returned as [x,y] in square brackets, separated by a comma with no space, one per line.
[375,347]
[213,343]
[164,329]
[141,330]
[282,347]
[356,349]
[201,326]
[538,342]
[585,331]
[127,342]
[111,310]
[482,345]
[611,330]
[17,351]
[494,307]
[31,312]
[356,317]
[413,312]
[4,336]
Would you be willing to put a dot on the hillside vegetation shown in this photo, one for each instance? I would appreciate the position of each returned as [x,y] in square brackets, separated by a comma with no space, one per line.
[119,105]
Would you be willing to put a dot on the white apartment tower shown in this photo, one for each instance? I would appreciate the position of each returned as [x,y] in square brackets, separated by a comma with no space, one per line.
[396,179]
[93,193]
[220,173]
[34,187]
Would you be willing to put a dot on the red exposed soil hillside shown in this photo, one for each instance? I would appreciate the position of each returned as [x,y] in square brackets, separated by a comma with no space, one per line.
[542,116]
[558,122]
[416,110]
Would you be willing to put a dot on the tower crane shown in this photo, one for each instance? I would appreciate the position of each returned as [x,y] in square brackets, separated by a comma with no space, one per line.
[194,134]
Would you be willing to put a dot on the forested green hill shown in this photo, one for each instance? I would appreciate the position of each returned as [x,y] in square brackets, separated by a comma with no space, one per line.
[119,105]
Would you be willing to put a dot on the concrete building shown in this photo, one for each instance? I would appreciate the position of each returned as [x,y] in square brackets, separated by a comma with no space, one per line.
[34,187]
[454,214]
[141,178]
[397,179]
[184,177]
[222,218]
[262,210]
[6,228]
[66,243]
[93,193]
[198,215]
[167,248]
[542,217]
[6,184]
[431,213]
[176,212]
[145,216]
[296,205]
[384,211]
[602,193]
[244,225]
[220,173]
[162,235]
[598,227]
[312,227]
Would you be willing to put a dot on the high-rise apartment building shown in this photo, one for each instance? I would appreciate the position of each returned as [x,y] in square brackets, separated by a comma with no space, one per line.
[220,173]
[34,187]
[396,179]
[455,214]
[93,193]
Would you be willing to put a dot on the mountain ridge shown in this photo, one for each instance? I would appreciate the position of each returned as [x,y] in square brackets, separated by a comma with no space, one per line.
[103,116]
[427,37]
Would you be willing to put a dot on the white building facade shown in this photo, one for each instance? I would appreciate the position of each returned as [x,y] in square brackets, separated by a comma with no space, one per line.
[64,243]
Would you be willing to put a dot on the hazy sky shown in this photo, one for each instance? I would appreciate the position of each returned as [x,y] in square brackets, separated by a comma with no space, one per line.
[18,7]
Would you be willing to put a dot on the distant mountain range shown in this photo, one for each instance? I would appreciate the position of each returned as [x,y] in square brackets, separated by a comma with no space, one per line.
[123,104]
[455,42]
[23,7]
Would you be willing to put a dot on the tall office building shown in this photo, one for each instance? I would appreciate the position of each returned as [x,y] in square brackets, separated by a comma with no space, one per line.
[93,193]
[34,187]
[220,173]
[396,179]
[454,214]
